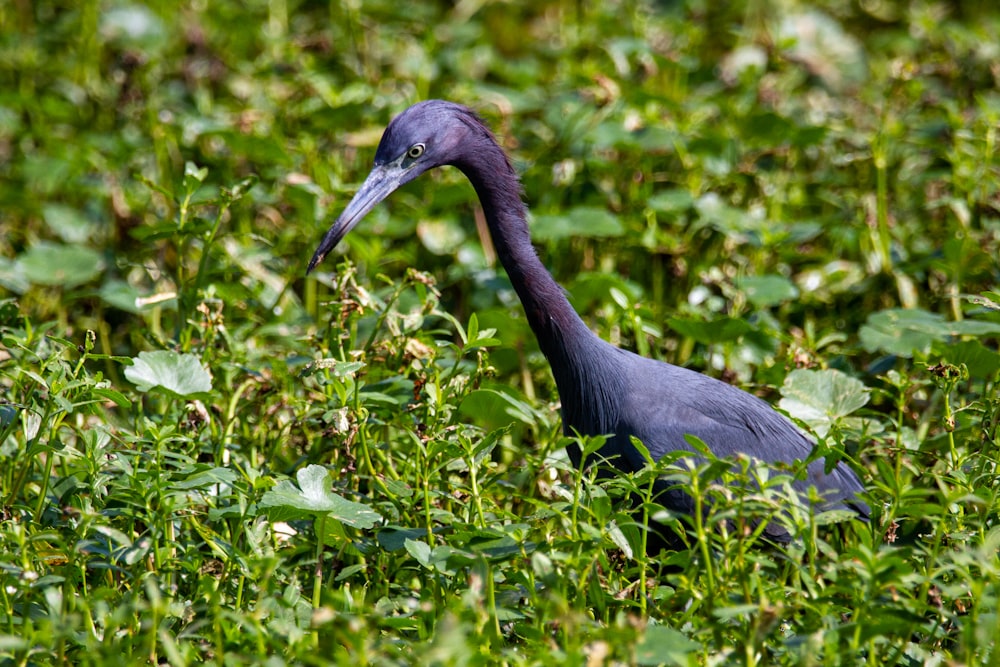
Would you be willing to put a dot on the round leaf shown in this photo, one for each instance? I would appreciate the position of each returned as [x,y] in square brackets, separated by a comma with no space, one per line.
[820,398]
[179,374]
[313,496]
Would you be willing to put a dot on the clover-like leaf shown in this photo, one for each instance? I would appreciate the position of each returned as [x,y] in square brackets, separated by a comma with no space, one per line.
[179,374]
[821,398]
[313,497]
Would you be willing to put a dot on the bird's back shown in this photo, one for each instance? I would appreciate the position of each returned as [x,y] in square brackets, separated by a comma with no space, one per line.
[660,404]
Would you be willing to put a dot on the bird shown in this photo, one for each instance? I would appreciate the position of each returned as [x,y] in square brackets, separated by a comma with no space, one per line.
[603,390]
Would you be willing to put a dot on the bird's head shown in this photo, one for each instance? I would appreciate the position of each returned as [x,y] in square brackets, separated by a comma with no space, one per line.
[427,135]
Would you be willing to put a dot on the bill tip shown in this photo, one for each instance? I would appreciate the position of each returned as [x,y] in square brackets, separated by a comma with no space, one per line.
[317,258]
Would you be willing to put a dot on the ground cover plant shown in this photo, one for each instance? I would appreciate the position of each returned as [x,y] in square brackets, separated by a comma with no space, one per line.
[206,456]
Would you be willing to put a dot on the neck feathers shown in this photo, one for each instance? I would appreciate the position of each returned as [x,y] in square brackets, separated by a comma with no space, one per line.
[574,352]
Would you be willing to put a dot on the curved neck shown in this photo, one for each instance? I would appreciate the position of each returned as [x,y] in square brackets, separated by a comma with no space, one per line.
[554,321]
[590,390]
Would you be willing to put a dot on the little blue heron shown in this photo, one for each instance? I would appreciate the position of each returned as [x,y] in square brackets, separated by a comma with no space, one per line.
[604,390]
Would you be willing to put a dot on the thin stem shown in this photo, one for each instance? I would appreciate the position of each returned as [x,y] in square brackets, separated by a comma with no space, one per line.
[320,526]
[880,157]
[199,278]
[702,535]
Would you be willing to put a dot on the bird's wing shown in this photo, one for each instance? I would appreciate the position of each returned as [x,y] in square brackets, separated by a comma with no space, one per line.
[668,402]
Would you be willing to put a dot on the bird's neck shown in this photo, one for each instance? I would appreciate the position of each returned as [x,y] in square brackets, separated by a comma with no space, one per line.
[574,352]
[551,316]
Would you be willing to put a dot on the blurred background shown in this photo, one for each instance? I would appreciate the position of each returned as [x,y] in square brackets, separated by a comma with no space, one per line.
[776,162]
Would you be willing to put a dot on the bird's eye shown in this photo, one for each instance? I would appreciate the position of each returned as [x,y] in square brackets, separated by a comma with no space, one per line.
[416,150]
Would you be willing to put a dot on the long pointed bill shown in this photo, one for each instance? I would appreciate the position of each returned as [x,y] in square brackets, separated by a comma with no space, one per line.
[381,182]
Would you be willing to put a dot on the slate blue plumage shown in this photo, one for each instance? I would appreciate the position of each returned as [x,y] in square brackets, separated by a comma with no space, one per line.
[603,389]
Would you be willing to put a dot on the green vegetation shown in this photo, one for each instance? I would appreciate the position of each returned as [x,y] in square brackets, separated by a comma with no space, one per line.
[206,456]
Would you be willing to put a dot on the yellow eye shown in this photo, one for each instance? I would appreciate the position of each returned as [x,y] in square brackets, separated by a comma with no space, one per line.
[416,150]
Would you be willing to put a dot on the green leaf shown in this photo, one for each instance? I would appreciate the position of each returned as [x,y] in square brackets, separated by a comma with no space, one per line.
[582,221]
[664,646]
[496,407]
[989,300]
[8,413]
[618,537]
[69,223]
[394,538]
[714,331]
[179,374]
[420,550]
[905,332]
[671,201]
[124,296]
[768,128]
[339,369]
[475,338]
[821,397]
[434,558]
[114,396]
[12,276]
[64,265]
[441,237]
[715,212]
[473,331]
[207,478]
[981,361]
[973,328]
[193,176]
[313,496]
[765,291]
[901,332]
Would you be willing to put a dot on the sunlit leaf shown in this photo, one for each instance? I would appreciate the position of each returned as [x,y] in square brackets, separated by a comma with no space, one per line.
[314,496]
[821,397]
[441,237]
[179,374]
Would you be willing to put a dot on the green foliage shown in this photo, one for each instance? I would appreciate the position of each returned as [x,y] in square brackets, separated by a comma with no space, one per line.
[806,196]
